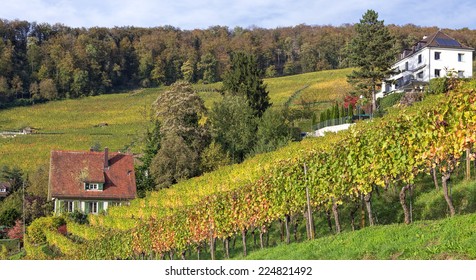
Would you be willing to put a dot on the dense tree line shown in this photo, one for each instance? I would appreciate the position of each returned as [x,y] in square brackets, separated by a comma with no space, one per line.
[39,61]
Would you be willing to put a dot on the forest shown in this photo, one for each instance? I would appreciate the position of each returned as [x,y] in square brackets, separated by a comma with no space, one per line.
[40,61]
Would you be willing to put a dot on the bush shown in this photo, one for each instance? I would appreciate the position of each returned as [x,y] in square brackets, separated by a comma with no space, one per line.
[437,86]
[79,217]
[390,100]
[35,231]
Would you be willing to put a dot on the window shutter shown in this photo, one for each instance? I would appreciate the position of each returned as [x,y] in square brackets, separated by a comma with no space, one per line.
[76,206]
[86,207]
[101,187]
[100,206]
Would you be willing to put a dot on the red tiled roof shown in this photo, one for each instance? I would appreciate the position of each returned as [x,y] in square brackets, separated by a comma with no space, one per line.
[69,170]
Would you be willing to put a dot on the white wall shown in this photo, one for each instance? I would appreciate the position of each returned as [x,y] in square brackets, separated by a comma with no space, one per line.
[449,60]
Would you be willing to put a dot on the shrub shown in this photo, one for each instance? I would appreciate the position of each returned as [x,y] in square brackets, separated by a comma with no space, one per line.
[390,100]
[79,217]
[35,231]
[437,86]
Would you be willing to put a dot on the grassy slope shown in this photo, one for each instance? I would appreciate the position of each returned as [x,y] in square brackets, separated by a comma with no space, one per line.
[450,238]
[69,124]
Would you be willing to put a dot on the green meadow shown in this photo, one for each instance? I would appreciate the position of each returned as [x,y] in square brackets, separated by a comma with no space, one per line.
[73,124]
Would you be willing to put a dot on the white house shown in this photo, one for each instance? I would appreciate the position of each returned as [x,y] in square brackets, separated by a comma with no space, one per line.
[433,56]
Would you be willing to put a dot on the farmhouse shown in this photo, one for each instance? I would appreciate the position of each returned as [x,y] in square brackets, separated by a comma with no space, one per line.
[90,182]
[434,56]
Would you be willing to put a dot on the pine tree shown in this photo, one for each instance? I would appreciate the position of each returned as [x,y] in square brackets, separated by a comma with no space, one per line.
[243,79]
[373,51]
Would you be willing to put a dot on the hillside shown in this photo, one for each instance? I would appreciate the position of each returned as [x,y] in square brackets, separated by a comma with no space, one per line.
[447,239]
[375,173]
[71,124]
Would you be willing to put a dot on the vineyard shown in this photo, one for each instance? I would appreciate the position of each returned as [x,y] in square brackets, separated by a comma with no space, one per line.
[304,179]
[73,124]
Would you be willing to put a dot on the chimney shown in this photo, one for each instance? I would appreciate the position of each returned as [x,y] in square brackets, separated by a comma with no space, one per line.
[106,158]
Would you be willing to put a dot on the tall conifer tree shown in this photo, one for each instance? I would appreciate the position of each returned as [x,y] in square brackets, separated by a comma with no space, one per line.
[243,79]
[373,51]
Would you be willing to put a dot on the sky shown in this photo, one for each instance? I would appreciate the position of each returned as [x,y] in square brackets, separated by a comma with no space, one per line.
[201,14]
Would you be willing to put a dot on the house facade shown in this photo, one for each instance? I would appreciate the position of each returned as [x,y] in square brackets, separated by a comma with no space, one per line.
[432,57]
[90,182]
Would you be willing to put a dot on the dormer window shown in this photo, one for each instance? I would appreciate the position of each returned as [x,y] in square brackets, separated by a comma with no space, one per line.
[93,186]
[3,190]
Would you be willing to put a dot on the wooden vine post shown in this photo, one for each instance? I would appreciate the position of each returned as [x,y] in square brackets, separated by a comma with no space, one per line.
[309,211]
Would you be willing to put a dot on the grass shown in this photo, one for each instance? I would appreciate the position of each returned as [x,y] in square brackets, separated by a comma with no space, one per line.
[71,124]
[451,238]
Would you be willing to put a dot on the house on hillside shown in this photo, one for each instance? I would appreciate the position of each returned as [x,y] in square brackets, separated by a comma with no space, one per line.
[90,181]
[432,57]
[4,189]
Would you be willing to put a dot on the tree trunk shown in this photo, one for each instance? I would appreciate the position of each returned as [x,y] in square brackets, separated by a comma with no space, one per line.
[296,225]
[406,213]
[226,245]
[198,252]
[368,205]
[374,101]
[336,216]
[468,164]
[171,255]
[281,224]
[261,233]
[183,255]
[212,247]
[444,182]
[243,238]
[362,211]
[435,179]
[352,216]
[287,221]
[329,222]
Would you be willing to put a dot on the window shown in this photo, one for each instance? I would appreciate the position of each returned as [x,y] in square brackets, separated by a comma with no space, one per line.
[406,66]
[91,186]
[461,57]
[437,72]
[437,55]
[3,190]
[69,206]
[420,58]
[419,75]
[460,74]
[93,207]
